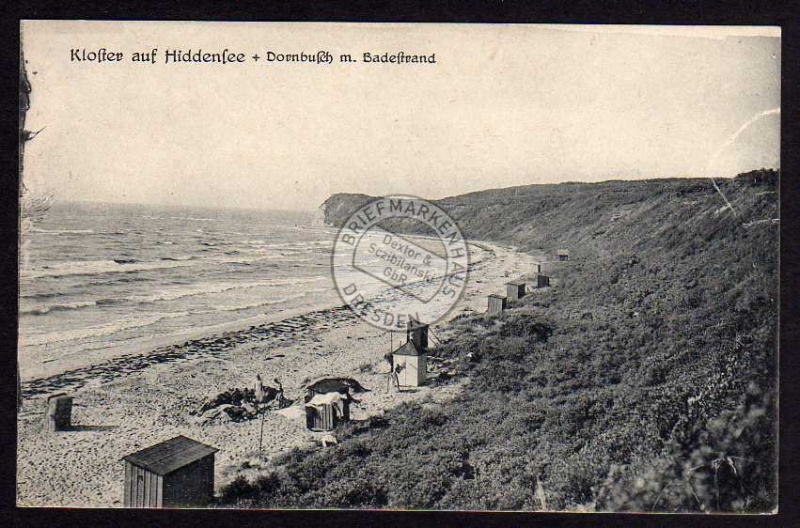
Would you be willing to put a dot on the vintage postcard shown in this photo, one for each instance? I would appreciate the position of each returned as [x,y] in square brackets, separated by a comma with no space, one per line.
[399,266]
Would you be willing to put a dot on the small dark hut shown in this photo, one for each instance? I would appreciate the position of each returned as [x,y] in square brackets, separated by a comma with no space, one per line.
[515,290]
[418,333]
[176,473]
[59,412]
[497,304]
[563,255]
[542,281]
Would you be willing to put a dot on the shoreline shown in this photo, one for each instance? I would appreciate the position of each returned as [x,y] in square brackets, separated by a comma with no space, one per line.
[129,402]
[48,372]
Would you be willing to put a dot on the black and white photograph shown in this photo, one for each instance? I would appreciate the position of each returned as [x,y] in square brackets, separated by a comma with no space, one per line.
[389,266]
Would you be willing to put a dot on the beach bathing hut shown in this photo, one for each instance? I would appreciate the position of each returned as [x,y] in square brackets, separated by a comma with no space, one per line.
[410,365]
[515,290]
[59,412]
[327,403]
[542,281]
[497,303]
[563,255]
[325,411]
[176,473]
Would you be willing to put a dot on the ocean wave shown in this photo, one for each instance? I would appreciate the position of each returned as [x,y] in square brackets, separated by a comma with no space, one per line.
[42,295]
[205,289]
[97,267]
[43,310]
[98,330]
[272,302]
[119,280]
[193,290]
[63,231]
[182,258]
[128,323]
[193,218]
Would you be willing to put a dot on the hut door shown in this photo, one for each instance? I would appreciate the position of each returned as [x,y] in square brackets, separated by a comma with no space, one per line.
[139,490]
[411,377]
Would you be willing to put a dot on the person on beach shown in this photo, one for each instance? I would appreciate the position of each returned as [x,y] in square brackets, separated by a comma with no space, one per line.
[392,377]
[279,397]
[259,390]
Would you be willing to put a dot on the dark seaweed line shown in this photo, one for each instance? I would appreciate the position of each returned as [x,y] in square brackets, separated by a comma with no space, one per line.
[192,349]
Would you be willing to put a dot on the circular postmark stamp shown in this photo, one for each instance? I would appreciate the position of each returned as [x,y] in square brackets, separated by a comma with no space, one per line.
[399,259]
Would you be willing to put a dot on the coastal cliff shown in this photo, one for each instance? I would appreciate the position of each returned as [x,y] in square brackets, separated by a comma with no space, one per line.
[605,217]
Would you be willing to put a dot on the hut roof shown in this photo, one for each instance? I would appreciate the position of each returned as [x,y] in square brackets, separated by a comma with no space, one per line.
[325,385]
[414,323]
[517,282]
[408,349]
[497,296]
[170,455]
[562,252]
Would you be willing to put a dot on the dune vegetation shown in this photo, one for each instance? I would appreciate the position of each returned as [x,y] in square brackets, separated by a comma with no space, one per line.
[644,379]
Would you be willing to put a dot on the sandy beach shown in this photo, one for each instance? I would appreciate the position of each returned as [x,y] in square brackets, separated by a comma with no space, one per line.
[127,403]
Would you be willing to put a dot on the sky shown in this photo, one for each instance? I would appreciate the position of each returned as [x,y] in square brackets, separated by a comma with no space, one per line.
[503,105]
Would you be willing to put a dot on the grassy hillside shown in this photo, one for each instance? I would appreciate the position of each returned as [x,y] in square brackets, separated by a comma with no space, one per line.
[644,380]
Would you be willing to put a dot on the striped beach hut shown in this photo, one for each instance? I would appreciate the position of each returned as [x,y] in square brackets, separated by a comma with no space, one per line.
[325,411]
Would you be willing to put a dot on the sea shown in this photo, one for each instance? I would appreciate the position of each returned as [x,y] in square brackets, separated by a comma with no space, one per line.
[102,276]
[104,280]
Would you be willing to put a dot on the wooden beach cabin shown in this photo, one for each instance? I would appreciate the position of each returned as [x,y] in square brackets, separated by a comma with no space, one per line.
[497,304]
[515,290]
[176,473]
[542,281]
[410,364]
[563,255]
[59,412]
[324,411]
[409,360]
